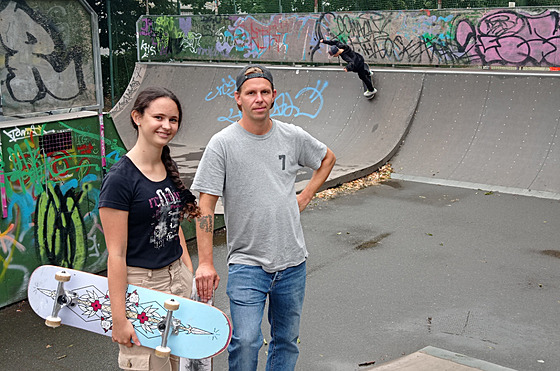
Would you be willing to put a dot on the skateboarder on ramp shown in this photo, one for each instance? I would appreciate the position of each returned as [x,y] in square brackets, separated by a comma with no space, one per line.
[355,64]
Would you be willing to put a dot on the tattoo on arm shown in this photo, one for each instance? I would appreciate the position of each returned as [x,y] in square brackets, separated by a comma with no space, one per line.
[206,223]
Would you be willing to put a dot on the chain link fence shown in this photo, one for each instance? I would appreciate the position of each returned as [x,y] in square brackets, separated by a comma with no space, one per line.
[302,6]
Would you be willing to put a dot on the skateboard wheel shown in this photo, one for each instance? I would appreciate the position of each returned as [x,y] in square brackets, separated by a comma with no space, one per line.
[62,276]
[171,304]
[163,352]
[53,322]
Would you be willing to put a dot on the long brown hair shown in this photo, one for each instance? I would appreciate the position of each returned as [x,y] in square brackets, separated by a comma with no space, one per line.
[143,101]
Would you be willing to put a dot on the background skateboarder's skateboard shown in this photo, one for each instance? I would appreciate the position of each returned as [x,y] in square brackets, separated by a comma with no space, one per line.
[366,66]
[165,322]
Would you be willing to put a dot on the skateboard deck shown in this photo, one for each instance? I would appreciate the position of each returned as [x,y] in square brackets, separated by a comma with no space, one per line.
[196,330]
[371,78]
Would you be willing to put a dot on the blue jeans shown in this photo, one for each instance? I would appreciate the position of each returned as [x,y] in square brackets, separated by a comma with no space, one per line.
[248,288]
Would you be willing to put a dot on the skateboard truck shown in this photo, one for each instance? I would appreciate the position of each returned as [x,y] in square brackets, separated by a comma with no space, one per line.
[62,299]
[168,324]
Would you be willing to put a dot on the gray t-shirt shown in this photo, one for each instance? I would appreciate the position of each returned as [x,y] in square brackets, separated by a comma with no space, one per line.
[255,175]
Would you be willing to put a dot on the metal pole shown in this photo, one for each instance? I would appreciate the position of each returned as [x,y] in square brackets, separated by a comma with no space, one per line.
[178,7]
[279,6]
[111,72]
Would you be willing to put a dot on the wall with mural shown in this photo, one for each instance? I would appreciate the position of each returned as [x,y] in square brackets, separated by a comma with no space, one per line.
[49,186]
[510,37]
[51,145]
[48,56]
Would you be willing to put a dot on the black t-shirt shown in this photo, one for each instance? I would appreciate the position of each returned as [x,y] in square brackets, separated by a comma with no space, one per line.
[153,214]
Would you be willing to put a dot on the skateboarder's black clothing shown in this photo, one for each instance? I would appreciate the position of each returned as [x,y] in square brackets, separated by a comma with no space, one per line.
[355,62]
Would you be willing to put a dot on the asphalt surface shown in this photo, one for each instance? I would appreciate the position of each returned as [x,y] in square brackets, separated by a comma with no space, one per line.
[393,269]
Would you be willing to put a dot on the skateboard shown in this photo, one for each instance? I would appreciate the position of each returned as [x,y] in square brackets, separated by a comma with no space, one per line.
[371,78]
[168,323]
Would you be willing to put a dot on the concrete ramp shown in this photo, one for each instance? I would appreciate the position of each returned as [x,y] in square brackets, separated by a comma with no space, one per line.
[486,130]
[476,129]
[327,102]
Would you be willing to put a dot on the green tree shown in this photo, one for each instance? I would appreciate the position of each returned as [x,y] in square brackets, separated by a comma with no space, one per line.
[228,7]
[124,14]
[200,6]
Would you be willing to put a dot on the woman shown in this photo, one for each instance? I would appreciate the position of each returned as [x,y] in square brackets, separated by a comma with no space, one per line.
[142,202]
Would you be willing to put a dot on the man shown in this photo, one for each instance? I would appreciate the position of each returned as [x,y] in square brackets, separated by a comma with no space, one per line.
[252,164]
[355,63]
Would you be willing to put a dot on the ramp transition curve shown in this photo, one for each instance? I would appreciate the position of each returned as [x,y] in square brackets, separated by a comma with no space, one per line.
[478,129]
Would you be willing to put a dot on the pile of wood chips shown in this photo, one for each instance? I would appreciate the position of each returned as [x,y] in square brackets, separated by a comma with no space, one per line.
[384,173]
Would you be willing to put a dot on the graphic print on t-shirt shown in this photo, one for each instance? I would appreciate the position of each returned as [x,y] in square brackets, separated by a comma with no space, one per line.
[165,218]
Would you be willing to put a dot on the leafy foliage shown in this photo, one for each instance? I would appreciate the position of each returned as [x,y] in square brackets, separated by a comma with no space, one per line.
[124,14]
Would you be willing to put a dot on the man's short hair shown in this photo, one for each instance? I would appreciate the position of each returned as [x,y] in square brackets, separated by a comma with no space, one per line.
[250,72]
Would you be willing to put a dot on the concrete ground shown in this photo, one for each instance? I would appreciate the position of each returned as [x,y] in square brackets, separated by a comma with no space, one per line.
[402,269]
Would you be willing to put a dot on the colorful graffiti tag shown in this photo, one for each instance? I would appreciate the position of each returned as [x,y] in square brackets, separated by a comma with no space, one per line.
[510,37]
[52,175]
[310,97]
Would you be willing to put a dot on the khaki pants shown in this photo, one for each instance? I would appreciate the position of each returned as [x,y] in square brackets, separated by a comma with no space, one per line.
[175,279]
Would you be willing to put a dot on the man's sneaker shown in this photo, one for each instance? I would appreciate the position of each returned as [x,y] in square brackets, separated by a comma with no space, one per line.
[368,93]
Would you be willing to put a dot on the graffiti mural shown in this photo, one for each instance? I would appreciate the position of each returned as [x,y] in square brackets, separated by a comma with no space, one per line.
[48,59]
[510,37]
[52,176]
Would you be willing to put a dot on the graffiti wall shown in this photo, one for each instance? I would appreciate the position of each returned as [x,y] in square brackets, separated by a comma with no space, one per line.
[51,167]
[49,186]
[47,56]
[510,37]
